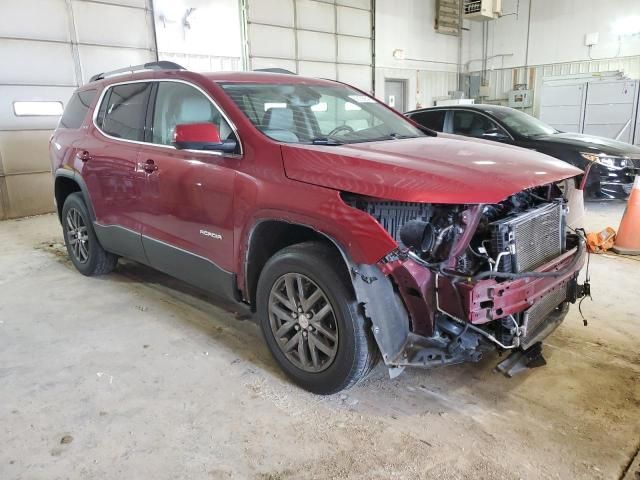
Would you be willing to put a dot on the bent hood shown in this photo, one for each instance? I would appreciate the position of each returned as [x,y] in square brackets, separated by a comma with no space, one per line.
[427,169]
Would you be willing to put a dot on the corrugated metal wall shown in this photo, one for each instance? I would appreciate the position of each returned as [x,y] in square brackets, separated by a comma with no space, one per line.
[47,49]
[501,81]
[316,38]
[424,87]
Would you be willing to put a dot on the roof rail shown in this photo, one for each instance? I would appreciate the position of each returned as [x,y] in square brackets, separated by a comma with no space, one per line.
[275,70]
[161,65]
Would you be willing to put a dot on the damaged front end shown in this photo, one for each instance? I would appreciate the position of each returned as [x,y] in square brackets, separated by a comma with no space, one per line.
[469,279]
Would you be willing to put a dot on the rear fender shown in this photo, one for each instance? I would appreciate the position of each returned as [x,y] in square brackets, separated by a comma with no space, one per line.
[73,175]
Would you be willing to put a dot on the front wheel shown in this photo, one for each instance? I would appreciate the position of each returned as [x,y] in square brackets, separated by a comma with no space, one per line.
[310,320]
[83,246]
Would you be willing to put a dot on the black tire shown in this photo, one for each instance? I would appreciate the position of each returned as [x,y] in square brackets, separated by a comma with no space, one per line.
[356,353]
[93,259]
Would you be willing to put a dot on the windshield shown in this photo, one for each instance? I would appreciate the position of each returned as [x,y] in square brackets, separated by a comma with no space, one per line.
[324,115]
[522,123]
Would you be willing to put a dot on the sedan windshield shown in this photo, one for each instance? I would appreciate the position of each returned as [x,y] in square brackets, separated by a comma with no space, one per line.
[523,124]
[317,114]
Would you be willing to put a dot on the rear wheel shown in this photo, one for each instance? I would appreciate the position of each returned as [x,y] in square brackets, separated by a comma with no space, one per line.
[310,320]
[83,246]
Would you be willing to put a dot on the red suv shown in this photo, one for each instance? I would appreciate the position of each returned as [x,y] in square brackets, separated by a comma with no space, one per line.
[350,231]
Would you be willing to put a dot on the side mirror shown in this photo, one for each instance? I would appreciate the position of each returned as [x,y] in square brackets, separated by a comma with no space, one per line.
[201,136]
[495,134]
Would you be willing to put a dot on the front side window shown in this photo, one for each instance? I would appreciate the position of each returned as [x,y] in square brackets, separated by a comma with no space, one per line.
[473,124]
[178,104]
[297,113]
[123,110]
[522,123]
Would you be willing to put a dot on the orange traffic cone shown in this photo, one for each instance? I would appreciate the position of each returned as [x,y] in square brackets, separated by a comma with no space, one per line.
[628,238]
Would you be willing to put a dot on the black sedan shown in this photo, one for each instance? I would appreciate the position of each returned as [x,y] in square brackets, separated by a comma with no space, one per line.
[613,164]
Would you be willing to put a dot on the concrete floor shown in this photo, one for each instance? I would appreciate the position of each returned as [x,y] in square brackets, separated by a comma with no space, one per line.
[135,376]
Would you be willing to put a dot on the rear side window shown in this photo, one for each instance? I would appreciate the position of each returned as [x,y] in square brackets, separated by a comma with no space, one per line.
[77,109]
[123,110]
[433,120]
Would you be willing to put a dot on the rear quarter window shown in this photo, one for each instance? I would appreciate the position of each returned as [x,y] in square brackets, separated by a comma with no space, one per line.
[77,109]
[123,110]
[433,120]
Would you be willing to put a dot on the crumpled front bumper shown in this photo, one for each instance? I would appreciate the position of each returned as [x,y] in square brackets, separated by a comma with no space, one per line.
[488,300]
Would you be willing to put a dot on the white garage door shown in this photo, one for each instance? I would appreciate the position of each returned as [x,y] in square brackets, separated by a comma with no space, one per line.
[562,106]
[311,37]
[47,49]
[611,109]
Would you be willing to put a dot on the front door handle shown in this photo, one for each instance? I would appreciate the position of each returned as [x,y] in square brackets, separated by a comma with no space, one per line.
[84,156]
[150,166]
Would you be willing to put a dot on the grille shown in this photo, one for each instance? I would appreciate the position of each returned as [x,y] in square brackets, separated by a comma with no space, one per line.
[534,317]
[533,238]
[393,215]
[634,162]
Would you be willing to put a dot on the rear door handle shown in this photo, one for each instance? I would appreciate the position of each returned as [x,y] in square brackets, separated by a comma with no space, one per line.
[84,156]
[150,166]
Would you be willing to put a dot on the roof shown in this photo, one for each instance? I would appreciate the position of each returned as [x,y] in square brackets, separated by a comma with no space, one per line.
[126,75]
[264,77]
[483,107]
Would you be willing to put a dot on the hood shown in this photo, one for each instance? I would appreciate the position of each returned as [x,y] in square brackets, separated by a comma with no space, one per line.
[426,169]
[590,143]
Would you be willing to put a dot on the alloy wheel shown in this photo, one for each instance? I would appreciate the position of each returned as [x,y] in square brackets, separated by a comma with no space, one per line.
[303,322]
[77,236]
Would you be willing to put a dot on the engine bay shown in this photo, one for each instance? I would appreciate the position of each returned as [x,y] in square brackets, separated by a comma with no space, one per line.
[429,230]
[478,258]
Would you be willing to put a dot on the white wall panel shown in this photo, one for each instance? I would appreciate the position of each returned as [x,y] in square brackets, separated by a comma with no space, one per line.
[358,76]
[10,94]
[101,59]
[130,3]
[214,29]
[267,41]
[316,46]
[365,4]
[271,12]
[203,63]
[314,15]
[556,32]
[321,38]
[352,21]
[36,19]
[36,62]
[433,85]
[101,24]
[354,50]
[430,60]
[318,70]
[258,63]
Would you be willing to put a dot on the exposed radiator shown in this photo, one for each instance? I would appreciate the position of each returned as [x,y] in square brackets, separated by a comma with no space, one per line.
[533,238]
[534,318]
[393,215]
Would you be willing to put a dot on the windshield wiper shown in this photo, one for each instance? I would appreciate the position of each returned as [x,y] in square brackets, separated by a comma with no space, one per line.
[397,136]
[326,141]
